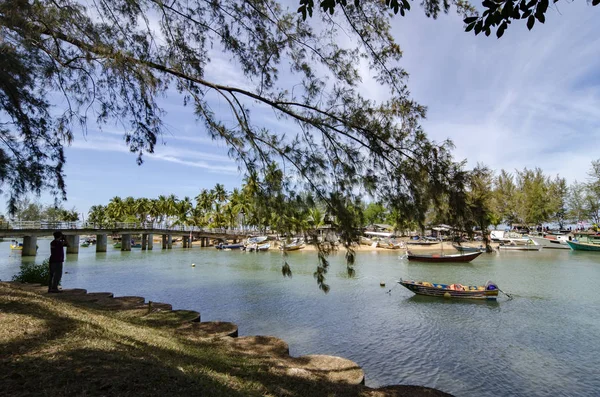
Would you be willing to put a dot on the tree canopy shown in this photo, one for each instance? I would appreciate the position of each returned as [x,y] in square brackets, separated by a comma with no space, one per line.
[112,60]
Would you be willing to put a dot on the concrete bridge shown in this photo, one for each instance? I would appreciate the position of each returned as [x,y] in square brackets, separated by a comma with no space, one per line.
[31,230]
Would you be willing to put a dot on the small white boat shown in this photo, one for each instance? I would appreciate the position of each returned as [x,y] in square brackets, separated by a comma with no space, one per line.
[551,243]
[520,245]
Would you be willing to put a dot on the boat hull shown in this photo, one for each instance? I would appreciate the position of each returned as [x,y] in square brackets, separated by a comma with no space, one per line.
[583,246]
[467,257]
[551,244]
[462,248]
[444,291]
[520,247]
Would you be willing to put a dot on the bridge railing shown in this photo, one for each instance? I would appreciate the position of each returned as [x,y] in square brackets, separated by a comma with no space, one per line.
[45,225]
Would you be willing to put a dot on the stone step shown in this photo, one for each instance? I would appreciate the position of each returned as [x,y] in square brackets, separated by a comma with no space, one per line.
[211,329]
[260,346]
[323,367]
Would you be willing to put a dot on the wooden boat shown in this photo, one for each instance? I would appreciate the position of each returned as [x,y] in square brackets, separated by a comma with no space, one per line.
[136,245]
[465,257]
[462,248]
[580,246]
[488,292]
[291,247]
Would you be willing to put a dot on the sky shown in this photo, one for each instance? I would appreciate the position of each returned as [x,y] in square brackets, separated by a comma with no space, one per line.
[529,99]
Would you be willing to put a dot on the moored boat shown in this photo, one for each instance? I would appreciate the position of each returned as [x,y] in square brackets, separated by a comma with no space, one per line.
[521,245]
[463,248]
[580,246]
[551,243]
[488,292]
[463,257]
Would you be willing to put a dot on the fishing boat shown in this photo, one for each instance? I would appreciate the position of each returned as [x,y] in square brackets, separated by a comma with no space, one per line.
[580,246]
[462,248]
[552,243]
[489,291]
[463,257]
[520,245]
[117,244]
[222,246]
[136,245]
[263,247]
[585,241]
[16,246]
[294,245]
[85,244]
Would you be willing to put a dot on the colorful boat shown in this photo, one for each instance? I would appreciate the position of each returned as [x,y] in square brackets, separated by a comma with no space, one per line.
[18,246]
[579,246]
[465,257]
[488,292]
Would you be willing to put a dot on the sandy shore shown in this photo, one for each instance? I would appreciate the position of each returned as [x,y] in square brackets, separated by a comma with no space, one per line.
[368,248]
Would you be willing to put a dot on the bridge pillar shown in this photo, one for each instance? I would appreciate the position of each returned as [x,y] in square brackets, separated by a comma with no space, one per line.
[125,242]
[150,241]
[164,241]
[185,241]
[73,241]
[169,241]
[101,240]
[29,246]
[202,242]
[144,241]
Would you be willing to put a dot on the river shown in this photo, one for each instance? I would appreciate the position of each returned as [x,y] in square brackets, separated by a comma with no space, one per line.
[542,342]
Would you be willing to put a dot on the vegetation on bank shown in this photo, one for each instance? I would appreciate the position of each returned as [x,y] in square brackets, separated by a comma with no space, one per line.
[55,346]
[31,272]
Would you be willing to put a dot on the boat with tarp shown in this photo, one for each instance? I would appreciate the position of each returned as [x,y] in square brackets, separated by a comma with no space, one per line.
[489,291]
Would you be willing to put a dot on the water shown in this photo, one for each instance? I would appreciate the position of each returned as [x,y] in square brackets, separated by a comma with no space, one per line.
[542,342]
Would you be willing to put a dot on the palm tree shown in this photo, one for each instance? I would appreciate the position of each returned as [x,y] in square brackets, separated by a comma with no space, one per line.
[115,210]
[97,215]
[219,193]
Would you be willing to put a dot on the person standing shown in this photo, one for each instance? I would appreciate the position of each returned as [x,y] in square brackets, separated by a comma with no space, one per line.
[57,257]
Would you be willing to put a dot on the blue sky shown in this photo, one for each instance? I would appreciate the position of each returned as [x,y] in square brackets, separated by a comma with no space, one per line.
[530,99]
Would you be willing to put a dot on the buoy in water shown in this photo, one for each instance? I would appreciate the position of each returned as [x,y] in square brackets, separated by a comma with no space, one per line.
[382,283]
[193,265]
[447,295]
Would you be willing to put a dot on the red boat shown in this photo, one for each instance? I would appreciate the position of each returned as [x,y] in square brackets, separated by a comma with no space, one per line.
[463,257]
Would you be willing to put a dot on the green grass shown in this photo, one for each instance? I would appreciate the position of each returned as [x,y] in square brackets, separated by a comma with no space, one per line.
[52,346]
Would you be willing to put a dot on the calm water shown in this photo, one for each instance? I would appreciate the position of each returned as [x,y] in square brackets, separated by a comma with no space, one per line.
[543,342]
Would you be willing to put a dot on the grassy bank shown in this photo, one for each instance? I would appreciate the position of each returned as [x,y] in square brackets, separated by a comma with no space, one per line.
[62,344]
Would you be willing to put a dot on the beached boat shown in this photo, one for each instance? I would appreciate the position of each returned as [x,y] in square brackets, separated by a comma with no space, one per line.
[489,291]
[462,248]
[222,246]
[422,242]
[464,257]
[293,245]
[263,247]
[580,246]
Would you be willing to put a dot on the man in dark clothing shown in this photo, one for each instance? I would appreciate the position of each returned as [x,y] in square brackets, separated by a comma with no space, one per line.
[57,257]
